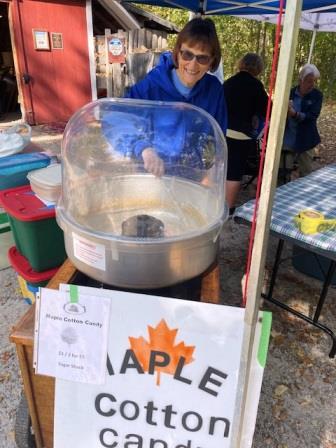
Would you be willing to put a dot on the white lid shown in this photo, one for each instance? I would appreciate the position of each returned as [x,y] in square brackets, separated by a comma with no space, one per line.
[49,176]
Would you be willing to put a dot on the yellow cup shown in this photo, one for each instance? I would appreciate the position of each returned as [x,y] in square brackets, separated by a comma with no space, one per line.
[309,221]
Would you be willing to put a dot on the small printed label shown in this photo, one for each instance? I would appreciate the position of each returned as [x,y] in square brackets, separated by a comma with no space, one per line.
[89,252]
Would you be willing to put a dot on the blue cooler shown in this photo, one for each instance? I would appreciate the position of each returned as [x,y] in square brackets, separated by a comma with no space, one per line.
[311,264]
[14,169]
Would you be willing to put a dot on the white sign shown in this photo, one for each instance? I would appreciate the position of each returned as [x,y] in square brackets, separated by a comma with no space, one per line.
[70,339]
[172,376]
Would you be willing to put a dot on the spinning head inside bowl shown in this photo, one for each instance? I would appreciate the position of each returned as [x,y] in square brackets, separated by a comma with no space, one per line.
[143,226]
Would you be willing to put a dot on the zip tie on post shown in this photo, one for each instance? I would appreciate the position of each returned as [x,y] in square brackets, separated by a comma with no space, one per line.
[263,150]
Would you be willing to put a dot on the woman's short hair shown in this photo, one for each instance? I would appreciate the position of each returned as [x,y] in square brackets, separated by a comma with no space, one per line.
[252,63]
[309,69]
[200,32]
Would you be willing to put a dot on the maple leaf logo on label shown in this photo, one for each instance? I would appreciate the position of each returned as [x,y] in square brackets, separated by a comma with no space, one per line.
[161,340]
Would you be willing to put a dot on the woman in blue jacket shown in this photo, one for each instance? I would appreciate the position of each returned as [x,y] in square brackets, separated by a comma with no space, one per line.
[301,134]
[180,76]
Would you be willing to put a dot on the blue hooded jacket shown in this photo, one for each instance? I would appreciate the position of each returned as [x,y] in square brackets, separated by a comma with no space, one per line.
[207,93]
[169,132]
[307,135]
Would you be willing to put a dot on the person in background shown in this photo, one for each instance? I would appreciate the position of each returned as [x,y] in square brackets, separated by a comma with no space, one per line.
[246,100]
[301,134]
[182,76]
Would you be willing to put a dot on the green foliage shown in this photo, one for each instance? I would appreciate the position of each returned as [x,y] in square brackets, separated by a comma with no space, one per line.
[324,56]
[238,36]
[176,16]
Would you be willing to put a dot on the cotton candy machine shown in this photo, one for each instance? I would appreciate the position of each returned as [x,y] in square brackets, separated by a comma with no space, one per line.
[125,226]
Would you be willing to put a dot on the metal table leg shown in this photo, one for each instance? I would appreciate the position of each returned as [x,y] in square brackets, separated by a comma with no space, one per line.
[314,321]
[275,268]
[325,288]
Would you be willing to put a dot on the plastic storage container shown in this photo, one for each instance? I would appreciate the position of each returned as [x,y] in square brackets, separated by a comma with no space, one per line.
[36,233]
[46,182]
[311,264]
[29,280]
[14,169]
[125,223]
[14,139]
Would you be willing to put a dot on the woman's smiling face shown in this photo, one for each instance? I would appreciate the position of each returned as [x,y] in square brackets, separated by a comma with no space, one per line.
[192,71]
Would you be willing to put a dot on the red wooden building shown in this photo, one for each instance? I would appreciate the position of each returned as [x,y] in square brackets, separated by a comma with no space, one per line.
[48,47]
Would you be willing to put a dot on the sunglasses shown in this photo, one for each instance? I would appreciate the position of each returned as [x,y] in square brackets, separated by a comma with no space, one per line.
[202,59]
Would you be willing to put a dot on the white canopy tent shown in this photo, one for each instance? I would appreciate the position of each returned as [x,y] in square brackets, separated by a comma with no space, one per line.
[311,21]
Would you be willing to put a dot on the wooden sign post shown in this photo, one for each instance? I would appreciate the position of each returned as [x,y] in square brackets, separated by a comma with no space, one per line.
[274,144]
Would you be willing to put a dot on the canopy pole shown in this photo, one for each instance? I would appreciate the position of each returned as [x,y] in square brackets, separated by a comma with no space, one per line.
[312,45]
[269,182]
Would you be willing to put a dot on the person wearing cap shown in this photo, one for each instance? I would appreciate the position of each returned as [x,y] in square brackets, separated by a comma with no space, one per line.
[301,133]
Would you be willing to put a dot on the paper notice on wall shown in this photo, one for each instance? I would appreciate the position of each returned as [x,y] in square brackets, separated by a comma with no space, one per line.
[71,331]
[116,49]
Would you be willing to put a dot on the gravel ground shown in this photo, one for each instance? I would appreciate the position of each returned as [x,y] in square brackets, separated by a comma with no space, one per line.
[12,308]
[297,403]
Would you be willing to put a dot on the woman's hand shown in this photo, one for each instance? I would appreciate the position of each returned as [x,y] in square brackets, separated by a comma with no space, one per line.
[291,111]
[152,162]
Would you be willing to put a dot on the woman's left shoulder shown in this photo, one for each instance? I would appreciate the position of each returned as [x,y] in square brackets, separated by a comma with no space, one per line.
[318,93]
[258,82]
[211,81]
[314,96]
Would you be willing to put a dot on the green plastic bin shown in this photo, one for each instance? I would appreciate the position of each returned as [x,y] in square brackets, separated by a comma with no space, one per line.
[4,221]
[36,233]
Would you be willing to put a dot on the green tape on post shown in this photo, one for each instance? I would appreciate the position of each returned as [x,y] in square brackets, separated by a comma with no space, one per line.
[264,337]
[73,294]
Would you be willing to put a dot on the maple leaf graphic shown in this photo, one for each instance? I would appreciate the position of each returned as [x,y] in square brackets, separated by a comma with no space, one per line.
[162,339]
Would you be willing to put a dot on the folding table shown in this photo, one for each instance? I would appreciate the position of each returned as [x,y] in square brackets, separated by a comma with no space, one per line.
[316,191]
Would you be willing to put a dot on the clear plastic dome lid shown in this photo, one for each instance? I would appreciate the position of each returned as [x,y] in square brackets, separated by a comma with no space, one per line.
[143,169]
